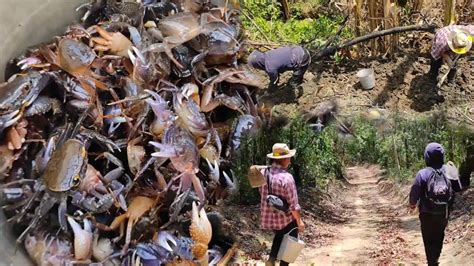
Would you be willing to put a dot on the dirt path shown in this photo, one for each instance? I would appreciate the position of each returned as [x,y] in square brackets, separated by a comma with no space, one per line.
[377,232]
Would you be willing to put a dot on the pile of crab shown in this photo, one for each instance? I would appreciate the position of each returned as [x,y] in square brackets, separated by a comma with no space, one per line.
[116,138]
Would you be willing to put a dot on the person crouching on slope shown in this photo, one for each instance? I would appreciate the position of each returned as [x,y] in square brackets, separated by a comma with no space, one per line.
[277,61]
[448,42]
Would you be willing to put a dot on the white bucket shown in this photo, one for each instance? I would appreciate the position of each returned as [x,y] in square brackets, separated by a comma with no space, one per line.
[367,78]
[290,248]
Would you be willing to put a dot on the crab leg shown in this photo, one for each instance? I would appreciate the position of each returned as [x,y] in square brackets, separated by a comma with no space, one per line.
[105,34]
[100,41]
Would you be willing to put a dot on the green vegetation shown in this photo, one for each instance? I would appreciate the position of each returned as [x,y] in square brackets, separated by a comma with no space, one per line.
[397,144]
[399,147]
[307,24]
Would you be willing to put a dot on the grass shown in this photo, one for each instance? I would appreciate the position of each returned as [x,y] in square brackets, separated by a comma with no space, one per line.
[306,26]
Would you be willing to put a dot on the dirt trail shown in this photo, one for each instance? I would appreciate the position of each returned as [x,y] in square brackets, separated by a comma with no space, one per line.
[376,233]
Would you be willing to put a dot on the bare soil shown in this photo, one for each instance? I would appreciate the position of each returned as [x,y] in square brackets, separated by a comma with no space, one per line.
[402,85]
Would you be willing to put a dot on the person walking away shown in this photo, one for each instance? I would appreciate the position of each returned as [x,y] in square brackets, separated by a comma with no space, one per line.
[449,42]
[432,191]
[277,61]
[281,184]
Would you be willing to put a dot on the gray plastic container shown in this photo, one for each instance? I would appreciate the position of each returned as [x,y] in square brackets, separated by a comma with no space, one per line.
[26,23]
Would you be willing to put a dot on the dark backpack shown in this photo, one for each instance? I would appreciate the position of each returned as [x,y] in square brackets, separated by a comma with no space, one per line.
[439,191]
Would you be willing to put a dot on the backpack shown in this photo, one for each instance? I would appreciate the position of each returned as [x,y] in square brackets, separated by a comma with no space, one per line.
[439,192]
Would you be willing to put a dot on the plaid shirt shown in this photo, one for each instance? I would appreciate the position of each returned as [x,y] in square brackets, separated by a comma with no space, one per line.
[440,42]
[283,186]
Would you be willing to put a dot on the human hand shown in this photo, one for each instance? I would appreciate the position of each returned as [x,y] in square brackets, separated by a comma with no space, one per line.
[113,42]
[301,226]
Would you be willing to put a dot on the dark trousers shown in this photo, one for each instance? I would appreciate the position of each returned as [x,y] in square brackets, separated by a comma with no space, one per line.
[298,74]
[279,238]
[436,65]
[432,230]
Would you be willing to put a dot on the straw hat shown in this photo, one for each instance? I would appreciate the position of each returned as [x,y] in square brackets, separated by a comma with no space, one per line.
[460,41]
[281,151]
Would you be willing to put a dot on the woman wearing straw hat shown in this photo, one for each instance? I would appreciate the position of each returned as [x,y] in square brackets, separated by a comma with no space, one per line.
[448,42]
[282,185]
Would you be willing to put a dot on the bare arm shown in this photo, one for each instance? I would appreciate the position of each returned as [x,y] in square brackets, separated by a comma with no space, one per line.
[447,59]
[295,207]
[299,222]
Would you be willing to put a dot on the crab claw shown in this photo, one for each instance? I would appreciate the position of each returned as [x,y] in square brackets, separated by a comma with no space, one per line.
[82,239]
[164,240]
[135,54]
[214,256]
[159,106]
[213,171]
[233,186]
[200,231]
[190,90]
[28,62]
[165,150]
[200,228]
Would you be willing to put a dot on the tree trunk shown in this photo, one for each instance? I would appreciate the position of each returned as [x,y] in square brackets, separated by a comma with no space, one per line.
[286,9]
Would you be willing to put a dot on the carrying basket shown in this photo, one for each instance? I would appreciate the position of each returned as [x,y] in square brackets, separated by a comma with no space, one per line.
[256,177]
[290,248]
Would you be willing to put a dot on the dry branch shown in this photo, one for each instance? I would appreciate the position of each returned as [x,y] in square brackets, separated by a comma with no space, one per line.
[331,50]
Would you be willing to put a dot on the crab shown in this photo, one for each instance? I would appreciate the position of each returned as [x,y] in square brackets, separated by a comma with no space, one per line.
[163,115]
[179,146]
[246,125]
[137,208]
[46,249]
[212,148]
[96,194]
[60,179]
[17,94]
[188,110]
[176,30]
[192,250]
[233,102]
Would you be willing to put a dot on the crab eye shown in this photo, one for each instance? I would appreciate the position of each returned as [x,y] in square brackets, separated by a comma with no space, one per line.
[76,181]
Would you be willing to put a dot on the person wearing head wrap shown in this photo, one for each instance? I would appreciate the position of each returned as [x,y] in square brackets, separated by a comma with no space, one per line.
[448,42]
[276,61]
[433,223]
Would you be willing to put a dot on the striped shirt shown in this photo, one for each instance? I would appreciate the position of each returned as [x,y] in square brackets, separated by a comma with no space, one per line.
[440,42]
[283,186]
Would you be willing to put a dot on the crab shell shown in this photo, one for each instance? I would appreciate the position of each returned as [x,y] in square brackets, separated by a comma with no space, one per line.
[201,231]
